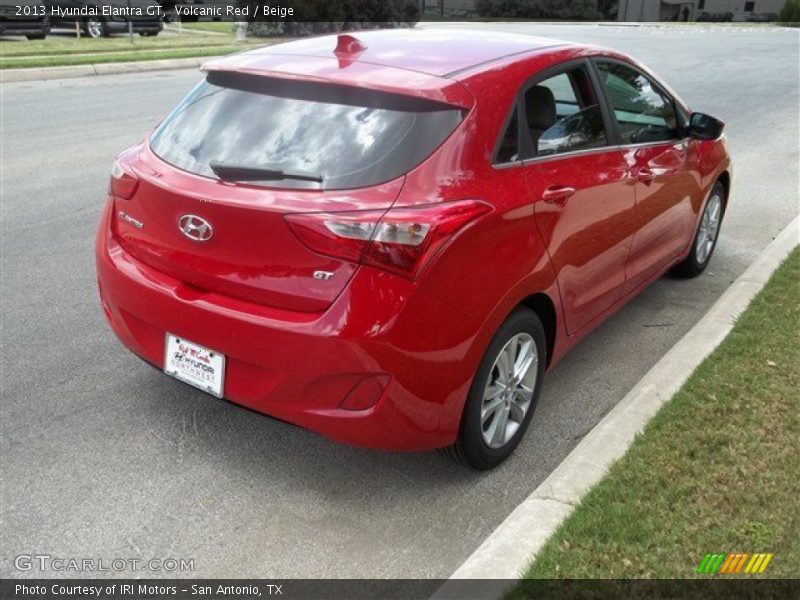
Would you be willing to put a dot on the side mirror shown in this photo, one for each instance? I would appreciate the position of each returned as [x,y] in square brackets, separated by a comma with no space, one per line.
[705,127]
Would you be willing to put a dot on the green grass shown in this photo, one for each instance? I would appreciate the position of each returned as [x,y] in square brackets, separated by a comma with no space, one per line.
[60,50]
[58,46]
[110,57]
[217,26]
[717,469]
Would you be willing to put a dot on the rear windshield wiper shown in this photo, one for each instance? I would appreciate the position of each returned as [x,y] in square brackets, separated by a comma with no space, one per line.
[240,173]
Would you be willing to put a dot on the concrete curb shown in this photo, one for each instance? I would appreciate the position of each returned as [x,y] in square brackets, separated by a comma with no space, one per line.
[514,544]
[69,72]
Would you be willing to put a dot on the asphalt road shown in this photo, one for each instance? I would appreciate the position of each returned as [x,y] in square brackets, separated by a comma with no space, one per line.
[103,457]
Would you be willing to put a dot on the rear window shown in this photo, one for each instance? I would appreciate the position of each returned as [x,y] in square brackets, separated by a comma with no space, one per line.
[346,136]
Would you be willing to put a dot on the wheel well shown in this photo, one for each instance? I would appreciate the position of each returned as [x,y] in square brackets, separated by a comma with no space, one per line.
[543,306]
[725,179]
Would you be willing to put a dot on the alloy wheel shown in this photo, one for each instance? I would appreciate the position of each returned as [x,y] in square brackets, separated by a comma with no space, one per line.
[94,28]
[709,228]
[509,390]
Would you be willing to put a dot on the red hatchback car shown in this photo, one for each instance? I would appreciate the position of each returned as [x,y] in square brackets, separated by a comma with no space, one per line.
[388,238]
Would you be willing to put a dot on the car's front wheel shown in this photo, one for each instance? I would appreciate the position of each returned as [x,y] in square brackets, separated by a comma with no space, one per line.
[503,394]
[705,240]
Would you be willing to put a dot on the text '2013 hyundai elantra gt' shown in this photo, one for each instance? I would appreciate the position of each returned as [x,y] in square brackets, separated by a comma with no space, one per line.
[388,238]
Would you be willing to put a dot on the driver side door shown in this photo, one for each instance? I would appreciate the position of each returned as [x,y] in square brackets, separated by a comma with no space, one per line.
[654,139]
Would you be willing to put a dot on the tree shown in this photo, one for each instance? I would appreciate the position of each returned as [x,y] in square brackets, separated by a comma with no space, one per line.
[790,12]
[539,9]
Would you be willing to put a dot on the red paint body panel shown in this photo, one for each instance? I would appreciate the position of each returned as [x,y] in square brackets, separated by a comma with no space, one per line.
[589,237]
[665,208]
[439,52]
[253,255]
[401,352]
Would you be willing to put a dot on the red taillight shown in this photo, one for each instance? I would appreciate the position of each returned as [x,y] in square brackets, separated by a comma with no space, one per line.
[401,240]
[123,182]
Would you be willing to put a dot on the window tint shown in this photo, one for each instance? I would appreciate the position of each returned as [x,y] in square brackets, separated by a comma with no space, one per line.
[509,145]
[563,116]
[643,112]
[349,137]
[580,130]
[566,100]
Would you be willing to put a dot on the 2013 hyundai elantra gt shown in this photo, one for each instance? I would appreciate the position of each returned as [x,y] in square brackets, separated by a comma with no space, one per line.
[388,238]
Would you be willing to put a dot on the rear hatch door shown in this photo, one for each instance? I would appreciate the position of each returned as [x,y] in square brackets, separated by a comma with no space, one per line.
[304,148]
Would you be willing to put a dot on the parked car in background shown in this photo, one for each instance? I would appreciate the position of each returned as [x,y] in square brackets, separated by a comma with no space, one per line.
[96,24]
[24,17]
[389,237]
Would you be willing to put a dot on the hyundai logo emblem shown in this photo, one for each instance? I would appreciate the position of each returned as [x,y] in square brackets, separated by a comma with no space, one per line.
[195,228]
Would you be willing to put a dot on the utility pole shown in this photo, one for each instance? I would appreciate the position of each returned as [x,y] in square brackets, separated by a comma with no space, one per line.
[130,23]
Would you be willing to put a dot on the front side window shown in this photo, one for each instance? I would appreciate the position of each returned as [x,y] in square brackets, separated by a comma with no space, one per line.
[300,134]
[562,115]
[643,113]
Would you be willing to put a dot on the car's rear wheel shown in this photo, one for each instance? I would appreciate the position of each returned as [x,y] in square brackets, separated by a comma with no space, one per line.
[705,240]
[148,33]
[36,36]
[503,394]
[95,27]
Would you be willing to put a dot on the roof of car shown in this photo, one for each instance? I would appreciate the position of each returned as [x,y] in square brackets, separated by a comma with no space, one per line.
[426,63]
[439,52]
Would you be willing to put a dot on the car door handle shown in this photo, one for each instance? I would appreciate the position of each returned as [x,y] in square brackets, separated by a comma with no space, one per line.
[558,194]
[645,175]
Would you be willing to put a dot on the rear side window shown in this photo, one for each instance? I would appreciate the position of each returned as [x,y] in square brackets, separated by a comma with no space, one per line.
[335,137]
[644,114]
[562,115]
[508,151]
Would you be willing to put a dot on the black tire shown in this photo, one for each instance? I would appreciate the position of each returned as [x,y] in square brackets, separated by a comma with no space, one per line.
[693,265]
[36,36]
[470,449]
[148,33]
[95,27]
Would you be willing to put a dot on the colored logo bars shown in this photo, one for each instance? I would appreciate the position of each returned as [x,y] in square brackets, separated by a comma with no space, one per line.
[734,563]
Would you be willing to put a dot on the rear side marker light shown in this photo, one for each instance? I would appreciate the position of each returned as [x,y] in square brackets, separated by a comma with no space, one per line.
[123,181]
[400,240]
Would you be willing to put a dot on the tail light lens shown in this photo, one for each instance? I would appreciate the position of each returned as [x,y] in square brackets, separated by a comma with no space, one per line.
[400,240]
[123,181]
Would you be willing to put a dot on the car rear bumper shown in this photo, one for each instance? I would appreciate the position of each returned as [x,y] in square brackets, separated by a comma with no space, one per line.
[394,352]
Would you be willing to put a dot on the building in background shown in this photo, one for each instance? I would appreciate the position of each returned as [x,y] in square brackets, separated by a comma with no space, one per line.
[699,10]
[449,8]
[643,10]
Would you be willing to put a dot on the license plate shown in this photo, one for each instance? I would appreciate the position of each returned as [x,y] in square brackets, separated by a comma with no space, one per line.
[194,364]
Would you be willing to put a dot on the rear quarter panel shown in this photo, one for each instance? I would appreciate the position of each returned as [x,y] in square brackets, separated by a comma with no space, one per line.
[497,262]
